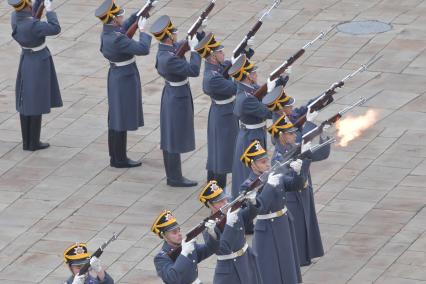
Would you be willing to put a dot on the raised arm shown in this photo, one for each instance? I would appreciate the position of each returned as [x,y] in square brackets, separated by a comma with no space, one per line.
[49,28]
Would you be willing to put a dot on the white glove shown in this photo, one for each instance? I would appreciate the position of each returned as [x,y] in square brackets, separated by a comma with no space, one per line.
[251,197]
[79,279]
[305,146]
[203,24]
[250,42]
[310,116]
[288,70]
[141,23]
[192,42]
[48,5]
[95,264]
[232,217]
[271,84]
[153,4]
[296,166]
[210,225]
[188,247]
[233,59]
[274,179]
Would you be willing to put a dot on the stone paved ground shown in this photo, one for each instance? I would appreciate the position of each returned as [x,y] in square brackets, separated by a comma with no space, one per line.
[370,195]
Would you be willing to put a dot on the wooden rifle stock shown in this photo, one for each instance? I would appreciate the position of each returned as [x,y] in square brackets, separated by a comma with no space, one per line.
[242,46]
[86,266]
[183,48]
[324,100]
[193,233]
[144,12]
[219,217]
[262,91]
[39,12]
[326,97]
[99,251]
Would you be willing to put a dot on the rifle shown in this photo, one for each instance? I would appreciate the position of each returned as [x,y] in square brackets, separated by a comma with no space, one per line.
[99,251]
[319,129]
[39,11]
[143,12]
[326,97]
[255,186]
[183,48]
[261,92]
[243,44]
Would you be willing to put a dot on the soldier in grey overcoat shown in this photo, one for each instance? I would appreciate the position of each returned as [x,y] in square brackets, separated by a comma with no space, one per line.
[252,115]
[37,88]
[76,256]
[274,238]
[301,203]
[236,261]
[124,85]
[222,125]
[177,108]
[183,269]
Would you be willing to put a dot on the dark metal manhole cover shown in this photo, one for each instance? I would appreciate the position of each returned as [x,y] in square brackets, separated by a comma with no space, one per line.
[364,27]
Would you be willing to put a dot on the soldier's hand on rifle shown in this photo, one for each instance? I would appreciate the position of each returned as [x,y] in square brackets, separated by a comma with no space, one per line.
[251,197]
[250,42]
[325,131]
[305,146]
[48,5]
[153,4]
[203,24]
[192,42]
[274,179]
[210,225]
[310,116]
[142,23]
[296,166]
[232,217]
[288,70]
[271,84]
[95,264]
[188,247]
[79,279]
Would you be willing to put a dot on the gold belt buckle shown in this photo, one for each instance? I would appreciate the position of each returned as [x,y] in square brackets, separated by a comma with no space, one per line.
[280,213]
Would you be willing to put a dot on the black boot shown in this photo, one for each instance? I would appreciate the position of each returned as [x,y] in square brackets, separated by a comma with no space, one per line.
[34,137]
[174,169]
[111,146]
[25,130]
[221,180]
[166,163]
[120,154]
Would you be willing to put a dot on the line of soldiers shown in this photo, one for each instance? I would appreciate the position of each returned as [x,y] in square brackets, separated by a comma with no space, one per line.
[286,232]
